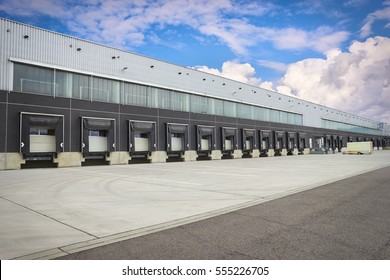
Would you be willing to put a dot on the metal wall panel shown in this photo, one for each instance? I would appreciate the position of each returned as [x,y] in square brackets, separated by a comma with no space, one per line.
[37,46]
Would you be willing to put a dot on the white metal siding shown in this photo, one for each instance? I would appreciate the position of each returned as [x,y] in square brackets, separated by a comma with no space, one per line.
[57,50]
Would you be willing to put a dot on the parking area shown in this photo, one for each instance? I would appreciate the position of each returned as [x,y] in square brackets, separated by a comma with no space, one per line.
[47,213]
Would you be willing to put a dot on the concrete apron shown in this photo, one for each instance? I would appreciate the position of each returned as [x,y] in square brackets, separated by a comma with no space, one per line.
[47,213]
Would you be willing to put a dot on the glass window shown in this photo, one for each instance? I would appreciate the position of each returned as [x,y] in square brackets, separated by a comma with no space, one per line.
[164,99]
[41,131]
[200,104]
[33,79]
[217,107]
[179,101]
[137,95]
[274,116]
[64,81]
[81,86]
[298,119]
[229,109]
[105,90]
[100,133]
[245,111]
[283,117]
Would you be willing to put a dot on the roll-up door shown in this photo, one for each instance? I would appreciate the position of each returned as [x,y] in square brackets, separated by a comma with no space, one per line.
[97,135]
[291,144]
[265,139]
[249,139]
[205,137]
[302,142]
[142,136]
[334,141]
[177,137]
[340,142]
[229,138]
[328,142]
[41,133]
[280,140]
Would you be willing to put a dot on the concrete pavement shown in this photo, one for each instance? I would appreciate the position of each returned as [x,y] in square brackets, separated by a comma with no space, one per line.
[48,213]
[347,219]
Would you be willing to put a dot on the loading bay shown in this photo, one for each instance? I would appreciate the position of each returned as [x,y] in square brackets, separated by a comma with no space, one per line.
[54,213]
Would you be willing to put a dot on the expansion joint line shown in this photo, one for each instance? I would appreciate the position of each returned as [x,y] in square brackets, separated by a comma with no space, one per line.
[48,217]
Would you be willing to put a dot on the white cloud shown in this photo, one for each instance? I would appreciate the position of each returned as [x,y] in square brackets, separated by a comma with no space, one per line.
[244,73]
[356,81]
[278,66]
[128,23]
[383,14]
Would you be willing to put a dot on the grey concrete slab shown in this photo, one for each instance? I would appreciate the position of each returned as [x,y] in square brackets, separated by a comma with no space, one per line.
[347,219]
[105,204]
[24,230]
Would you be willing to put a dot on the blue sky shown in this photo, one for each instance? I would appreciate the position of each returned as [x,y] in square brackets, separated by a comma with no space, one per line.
[279,45]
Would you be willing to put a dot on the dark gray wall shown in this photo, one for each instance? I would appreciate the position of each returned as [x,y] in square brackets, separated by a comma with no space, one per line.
[73,110]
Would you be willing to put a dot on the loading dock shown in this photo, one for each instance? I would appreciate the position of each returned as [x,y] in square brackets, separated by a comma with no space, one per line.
[334,143]
[328,143]
[142,139]
[229,141]
[249,143]
[205,140]
[177,140]
[291,143]
[97,137]
[302,143]
[280,143]
[340,143]
[41,136]
[266,143]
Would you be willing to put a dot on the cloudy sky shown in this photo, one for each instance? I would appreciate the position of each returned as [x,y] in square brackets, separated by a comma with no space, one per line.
[334,52]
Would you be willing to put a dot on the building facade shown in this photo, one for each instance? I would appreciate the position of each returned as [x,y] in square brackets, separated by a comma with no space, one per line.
[70,102]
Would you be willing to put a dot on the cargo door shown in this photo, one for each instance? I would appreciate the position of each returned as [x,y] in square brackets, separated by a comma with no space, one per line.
[177,137]
[302,142]
[41,134]
[302,139]
[265,141]
[291,141]
[248,139]
[280,141]
[229,139]
[328,142]
[205,138]
[142,137]
[97,135]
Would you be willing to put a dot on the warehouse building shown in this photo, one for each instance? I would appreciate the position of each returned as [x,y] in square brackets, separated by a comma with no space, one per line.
[70,102]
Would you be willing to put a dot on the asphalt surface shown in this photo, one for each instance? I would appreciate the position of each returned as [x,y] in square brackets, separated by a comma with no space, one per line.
[348,219]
